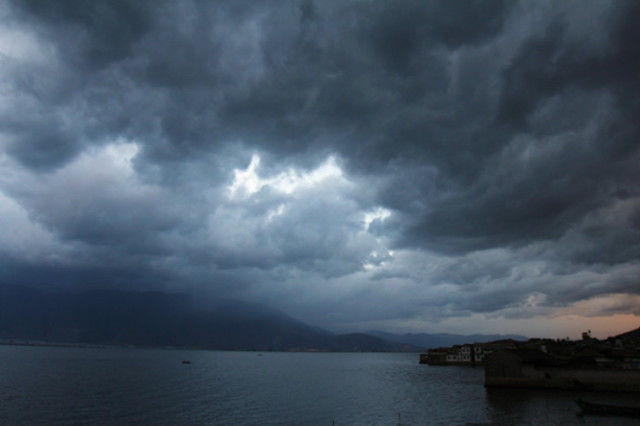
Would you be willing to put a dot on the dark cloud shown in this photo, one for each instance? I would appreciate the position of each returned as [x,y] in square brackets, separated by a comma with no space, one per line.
[401,31]
[43,147]
[92,34]
[485,137]
[549,64]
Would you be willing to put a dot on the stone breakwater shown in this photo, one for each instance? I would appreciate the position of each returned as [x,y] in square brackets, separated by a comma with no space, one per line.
[525,369]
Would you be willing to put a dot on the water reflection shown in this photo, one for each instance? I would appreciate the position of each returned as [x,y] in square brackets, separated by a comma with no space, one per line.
[125,386]
[537,406]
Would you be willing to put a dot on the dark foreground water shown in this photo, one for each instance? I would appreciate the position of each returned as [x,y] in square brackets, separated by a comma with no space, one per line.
[45,385]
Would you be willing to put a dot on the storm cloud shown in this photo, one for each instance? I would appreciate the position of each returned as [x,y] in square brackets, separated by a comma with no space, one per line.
[356,164]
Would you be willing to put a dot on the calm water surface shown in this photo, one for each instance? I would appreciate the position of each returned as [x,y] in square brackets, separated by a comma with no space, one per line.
[49,385]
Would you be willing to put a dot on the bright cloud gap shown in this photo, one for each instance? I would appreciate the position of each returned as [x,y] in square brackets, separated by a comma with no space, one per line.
[248,181]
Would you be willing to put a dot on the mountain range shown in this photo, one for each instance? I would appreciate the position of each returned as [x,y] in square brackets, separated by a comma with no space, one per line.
[115,317]
[438,340]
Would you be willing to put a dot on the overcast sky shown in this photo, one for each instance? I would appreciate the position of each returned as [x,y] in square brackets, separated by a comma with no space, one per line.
[422,166]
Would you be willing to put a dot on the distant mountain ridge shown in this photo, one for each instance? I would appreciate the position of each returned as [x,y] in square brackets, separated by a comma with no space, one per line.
[117,317]
[430,341]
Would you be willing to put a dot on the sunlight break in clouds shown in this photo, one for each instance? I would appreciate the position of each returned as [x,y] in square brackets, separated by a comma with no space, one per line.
[380,213]
[247,182]
[122,154]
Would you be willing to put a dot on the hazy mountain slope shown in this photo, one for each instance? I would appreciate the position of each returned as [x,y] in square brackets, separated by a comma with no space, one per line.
[633,335]
[428,341]
[161,319]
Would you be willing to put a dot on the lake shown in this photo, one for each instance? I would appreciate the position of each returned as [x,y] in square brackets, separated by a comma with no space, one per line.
[61,385]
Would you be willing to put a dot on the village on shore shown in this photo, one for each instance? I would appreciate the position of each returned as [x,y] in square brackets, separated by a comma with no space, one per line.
[611,364]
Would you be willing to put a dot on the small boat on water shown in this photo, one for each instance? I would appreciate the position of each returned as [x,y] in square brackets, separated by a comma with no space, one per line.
[186,361]
[606,409]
